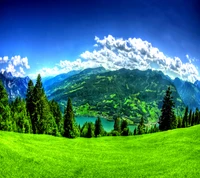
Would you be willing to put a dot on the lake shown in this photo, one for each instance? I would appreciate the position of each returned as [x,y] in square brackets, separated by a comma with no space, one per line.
[107,125]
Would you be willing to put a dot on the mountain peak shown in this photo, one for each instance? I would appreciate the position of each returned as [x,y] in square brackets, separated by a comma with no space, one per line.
[7,74]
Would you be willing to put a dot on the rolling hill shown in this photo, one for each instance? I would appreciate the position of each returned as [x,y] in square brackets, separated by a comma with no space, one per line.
[174,153]
[127,93]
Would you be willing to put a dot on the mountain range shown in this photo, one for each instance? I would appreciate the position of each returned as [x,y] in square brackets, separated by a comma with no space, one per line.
[15,86]
[125,93]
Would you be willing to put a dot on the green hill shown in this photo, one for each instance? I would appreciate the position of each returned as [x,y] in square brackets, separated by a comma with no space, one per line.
[127,93]
[172,153]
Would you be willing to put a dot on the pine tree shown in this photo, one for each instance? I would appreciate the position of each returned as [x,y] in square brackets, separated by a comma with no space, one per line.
[190,118]
[30,105]
[185,118]
[193,119]
[196,116]
[98,127]
[135,131]
[141,127]
[21,119]
[167,119]
[56,112]
[5,113]
[124,128]
[70,127]
[89,132]
[179,122]
[117,125]
[38,107]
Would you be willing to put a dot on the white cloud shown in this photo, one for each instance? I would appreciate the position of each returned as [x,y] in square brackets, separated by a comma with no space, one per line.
[132,53]
[15,65]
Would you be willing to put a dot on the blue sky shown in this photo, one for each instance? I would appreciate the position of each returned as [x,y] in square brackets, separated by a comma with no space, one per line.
[51,32]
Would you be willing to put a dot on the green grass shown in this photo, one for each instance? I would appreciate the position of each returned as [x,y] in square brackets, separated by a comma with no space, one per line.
[174,153]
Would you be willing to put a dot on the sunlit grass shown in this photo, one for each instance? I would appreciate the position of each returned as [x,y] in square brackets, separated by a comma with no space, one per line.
[174,153]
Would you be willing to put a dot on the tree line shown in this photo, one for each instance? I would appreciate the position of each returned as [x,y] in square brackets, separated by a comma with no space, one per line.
[36,114]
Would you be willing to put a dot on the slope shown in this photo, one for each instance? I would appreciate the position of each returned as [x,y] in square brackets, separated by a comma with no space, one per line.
[172,153]
[127,93]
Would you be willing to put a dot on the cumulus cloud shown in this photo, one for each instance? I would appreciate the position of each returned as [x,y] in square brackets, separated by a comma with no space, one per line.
[132,53]
[15,65]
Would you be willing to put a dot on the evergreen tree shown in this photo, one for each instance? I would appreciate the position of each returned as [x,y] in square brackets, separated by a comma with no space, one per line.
[56,112]
[141,127]
[30,105]
[190,118]
[196,120]
[89,132]
[179,122]
[124,128]
[185,118]
[5,113]
[167,119]
[98,127]
[135,131]
[193,119]
[117,125]
[21,119]
[70,127]
[38,107]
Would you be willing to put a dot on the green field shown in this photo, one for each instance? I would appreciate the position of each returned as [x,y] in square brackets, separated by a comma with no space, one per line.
[174,153]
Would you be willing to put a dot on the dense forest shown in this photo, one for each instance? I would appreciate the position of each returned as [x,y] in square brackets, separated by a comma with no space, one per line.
[37,115]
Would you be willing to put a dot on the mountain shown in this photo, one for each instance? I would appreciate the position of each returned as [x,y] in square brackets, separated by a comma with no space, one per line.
[189,92]
[74,76]
[15,86]
[58,78]
[197,84]
[127,93]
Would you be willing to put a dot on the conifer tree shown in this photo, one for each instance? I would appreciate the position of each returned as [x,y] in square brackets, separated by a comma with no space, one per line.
[117,125]
[42,119]
[89,132]
[185,118]
[5,113]
[56,112]
[21,119]
[135,131]
[167,119]
[196,116]
[98,127]
[193,119]
[124,128]
[70,127]
[141,127]
[30,104]
[179,122]
[190,118]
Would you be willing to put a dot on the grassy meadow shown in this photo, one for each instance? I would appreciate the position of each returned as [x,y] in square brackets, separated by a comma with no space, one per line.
[174,153]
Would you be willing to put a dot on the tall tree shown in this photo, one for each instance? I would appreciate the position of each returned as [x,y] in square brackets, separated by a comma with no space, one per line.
[117,124]
[98,127]
[124,128]
[30,104]
[190,117]
[70,127]
[21,119]
[141,127]
[5,113]
[185,118]
[167,119]
[89,132]
[56,112]
[193,119]
[42,119]
[196,120]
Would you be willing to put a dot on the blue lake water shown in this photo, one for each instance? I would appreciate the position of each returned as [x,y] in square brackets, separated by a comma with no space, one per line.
[107,125]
